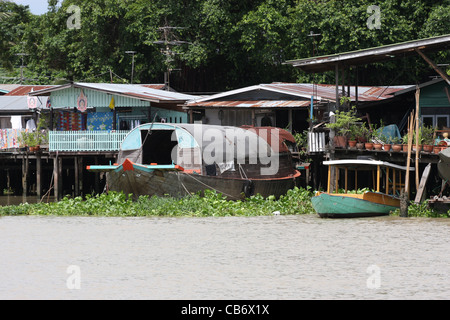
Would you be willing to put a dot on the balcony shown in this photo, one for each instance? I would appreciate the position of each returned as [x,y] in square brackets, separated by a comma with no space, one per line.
[86,141]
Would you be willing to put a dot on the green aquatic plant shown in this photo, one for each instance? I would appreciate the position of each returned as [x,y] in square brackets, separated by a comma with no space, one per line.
[296,201]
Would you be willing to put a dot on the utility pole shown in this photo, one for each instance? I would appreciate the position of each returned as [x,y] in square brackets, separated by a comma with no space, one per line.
[22,55]
[169,40]
[132,64]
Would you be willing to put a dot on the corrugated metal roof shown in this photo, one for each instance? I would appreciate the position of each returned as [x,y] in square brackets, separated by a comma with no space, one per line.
[19,103]
[300,91]
[25,90]
[371,55]
[328,91]
[5,88]
[130,90]
[254,104]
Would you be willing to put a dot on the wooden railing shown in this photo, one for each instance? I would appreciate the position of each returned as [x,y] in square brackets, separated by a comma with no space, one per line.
[91,141]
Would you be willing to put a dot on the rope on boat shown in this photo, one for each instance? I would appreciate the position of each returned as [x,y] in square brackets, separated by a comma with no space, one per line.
[209,187]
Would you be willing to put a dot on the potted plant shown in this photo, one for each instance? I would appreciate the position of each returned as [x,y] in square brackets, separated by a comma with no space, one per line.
[354,134]
[415,147]
[405,138]
[396,144]
[428,138]
[344,119]
[33,139]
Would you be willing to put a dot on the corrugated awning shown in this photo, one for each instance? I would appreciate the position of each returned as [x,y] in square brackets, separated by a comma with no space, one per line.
[370,55]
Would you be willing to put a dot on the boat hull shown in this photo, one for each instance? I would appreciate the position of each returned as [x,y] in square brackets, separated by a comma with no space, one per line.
[369,204]
[140,181]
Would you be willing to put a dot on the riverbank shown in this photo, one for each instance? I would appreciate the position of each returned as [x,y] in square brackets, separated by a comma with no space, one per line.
[296,201]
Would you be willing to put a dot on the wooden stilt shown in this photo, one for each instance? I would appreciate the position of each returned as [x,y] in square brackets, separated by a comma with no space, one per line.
[38,175]
[25,175]
[77,177]
[57,179]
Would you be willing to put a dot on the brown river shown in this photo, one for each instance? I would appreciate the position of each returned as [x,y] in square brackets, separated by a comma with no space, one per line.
[258,258]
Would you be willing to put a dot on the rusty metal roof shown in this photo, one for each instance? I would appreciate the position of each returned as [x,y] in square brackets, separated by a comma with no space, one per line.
[328,91]
[299,95]
[25,90]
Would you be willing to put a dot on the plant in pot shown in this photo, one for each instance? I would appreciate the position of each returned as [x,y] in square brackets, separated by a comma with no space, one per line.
[344,120]
[367,137]
[419,138]
[378,138]
[428,138]
[354,134]
[405,139]
[396,144]
[33,139]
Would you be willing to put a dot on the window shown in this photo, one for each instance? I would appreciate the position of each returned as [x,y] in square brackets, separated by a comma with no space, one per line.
[439,121]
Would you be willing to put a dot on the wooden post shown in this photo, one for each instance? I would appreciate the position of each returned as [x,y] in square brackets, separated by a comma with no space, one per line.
[405,194]
[38,175]
[77,177]
[25,175]
[378,178]
[329,180]
[346,179]
[417,136]
[57,164]
[387,180]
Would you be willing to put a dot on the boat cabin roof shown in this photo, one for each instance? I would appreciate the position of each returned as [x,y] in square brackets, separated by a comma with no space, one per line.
[364,164]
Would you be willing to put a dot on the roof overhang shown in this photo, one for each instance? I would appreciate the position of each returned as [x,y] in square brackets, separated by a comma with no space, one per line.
[141,92]
[371,55]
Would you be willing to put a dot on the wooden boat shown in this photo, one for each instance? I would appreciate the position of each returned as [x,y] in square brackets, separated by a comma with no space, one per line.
[444,164]
[386,180]
[182,159]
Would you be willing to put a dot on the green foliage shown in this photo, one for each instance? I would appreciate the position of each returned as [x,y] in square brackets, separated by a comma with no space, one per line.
[345,121]
[422,210]
[296,201]
[231,43]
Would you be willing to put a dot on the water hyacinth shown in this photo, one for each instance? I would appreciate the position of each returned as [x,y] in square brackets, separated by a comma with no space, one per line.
[296,201]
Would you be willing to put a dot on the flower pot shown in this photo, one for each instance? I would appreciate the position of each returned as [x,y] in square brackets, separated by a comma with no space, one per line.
[387,147]
[405,147]
[437,149]
[368,145]
[377,146]
[427,148]
[360,146]
[397,147]
[415,149]
[352,143]
[340,142]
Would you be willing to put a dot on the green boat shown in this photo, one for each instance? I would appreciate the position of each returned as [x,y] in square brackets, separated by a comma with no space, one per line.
[386,180]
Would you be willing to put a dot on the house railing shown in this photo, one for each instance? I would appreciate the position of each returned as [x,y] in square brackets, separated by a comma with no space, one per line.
[90,141]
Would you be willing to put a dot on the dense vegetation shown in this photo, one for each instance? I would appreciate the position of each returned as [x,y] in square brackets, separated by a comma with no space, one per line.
[229,43]
[296,201]
[114,204]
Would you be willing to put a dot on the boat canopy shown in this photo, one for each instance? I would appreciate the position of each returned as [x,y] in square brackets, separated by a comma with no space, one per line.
[195,145]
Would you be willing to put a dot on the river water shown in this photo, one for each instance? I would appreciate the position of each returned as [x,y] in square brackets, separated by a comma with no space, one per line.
[276,257]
